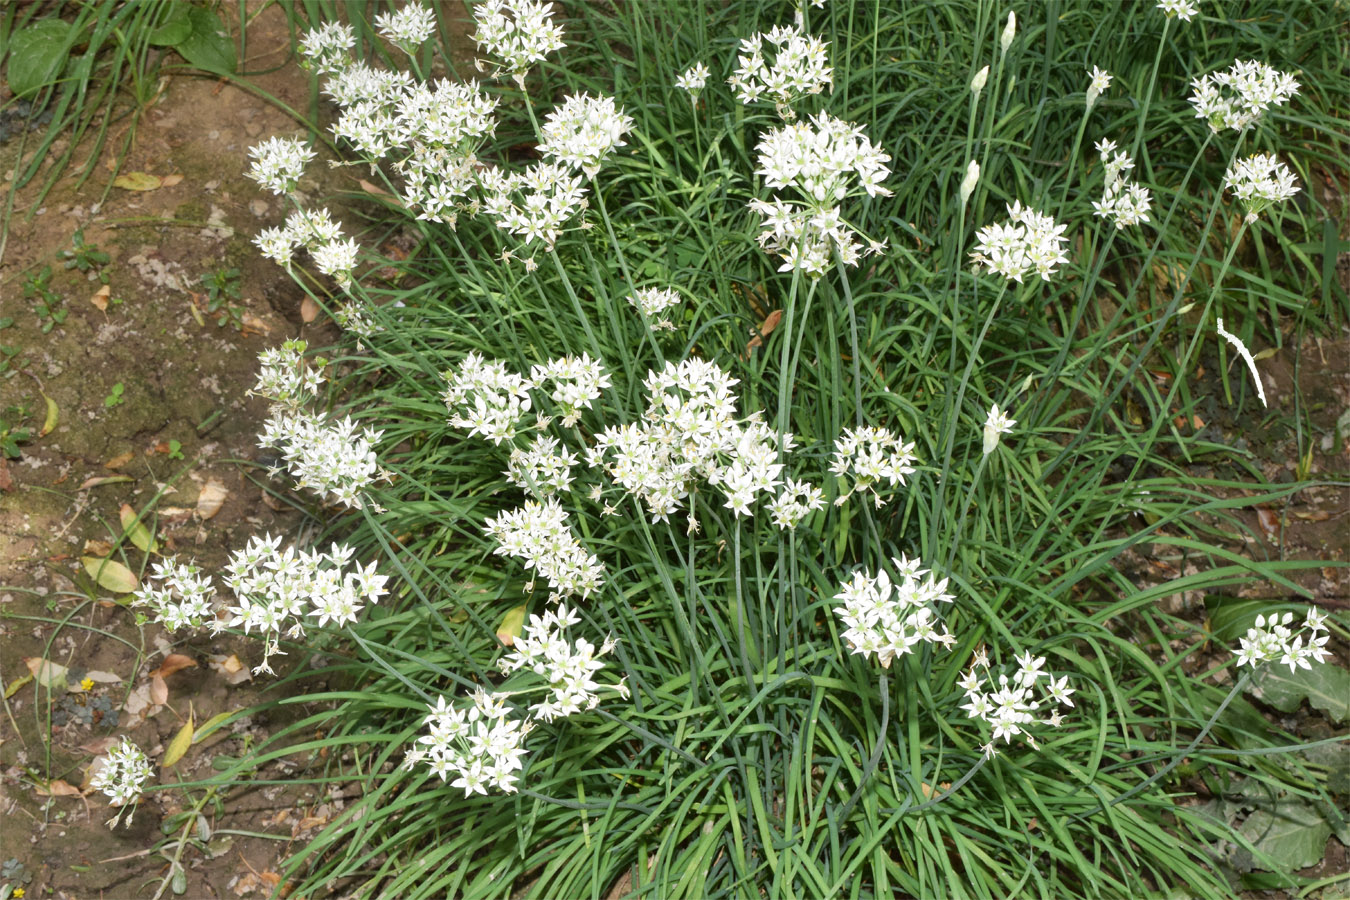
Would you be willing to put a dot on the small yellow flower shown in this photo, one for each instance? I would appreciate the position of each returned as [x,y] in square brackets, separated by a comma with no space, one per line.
[19,892]
[86,684]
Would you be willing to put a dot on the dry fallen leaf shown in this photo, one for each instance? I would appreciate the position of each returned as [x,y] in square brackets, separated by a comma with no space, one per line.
[139,705]
[47,673]
[170,180]
[1270,521]
[251,324]
[99,746]
[174,515]
[103,677]
[57,788]
[97,548]
[159,690]
[172,663]
[309,310]
[104,479]
[138,181]
[211,499]
[100,298]
[119,460]
[235,672]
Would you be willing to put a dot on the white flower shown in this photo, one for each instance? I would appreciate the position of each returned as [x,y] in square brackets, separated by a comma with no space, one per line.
[1272,639]
[542,470]
[1180,9]
[485,398]
[969,181]
[276,244]
[336,258]
[569,667]
[871,455]
[124,772]
[519,33]
[185,601]
[694,79]
[799,68]
[891,618]
[583,130]
[325,457]
[997,423]
[653,302]
[576,381]
[1028,242]
[480,744]
[539,534]
[1010,707]
[1258,182]
[409,27]
[1101,80]
[535,204]
[794,503]
[325,48]
[278,164]
[1238,97]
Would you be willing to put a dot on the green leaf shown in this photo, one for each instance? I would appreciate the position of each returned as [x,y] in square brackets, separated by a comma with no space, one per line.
[174,29]
[1290,832]
[36,55]
[209,45]
[1326,687]
[212,724]
[110,574]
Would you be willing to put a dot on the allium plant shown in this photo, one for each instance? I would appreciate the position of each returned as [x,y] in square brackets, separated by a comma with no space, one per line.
[481,746]
[1029,242]
[871,456]
[1272,640]
[782,65]
[583,131]
[1259,182]
[278,164]
[540,534]
[1238,97]
[408,27]
[518,33]
[1012,706]
[1123,202]
[892,618]
[123,775]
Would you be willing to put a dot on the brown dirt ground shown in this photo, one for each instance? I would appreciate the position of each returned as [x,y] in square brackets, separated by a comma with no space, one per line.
[184,378]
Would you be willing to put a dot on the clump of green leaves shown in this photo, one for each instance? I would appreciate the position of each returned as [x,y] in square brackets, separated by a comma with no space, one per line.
[115,397]
[86,257]
[12,432]
[222,286]
[47,303]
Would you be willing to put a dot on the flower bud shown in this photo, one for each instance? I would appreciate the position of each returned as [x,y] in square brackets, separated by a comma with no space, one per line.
[968,183]
[1009,30]
[977,83]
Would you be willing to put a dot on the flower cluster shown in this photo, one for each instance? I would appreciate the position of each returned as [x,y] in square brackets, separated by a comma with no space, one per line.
[694,80]
[326,457]
[185,600]
[316,231]
[799,67]
[871,455]
[409,27]
[690,432]
[996,424]
[284,377]
[538,533]
[574,382]
[480,745]
[1259,181]
[542,470]
[325,48]
[1028,242]
[582,131]
[1012,706]
[569,666]
[1272,639]
[485,398]
[1179,9]
[275,590]
[124,772]
[1123,201]
[891,618]
[1238,97]
[1100,81]
[652,302]
[821,160]
[278,163]
[795,502]
[534,204]
[519,33]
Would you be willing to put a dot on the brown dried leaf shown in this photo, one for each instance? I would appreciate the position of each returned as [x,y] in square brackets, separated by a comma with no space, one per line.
[47,673]
[770,322]
[174,515]
[103,479]
[211,499]
[251,324]
[159,690]
[57,788]
[170,180]
[309,310]
[99,746]
[1269,520]
[100,298]
[98,548]
[374,189]
[119,460]
[172,663]
[235,672]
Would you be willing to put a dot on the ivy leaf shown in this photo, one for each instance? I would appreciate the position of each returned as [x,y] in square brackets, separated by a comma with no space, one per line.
[208,46]
[36,55]
[1326,687]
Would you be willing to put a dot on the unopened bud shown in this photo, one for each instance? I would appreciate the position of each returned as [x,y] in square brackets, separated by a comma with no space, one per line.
[977,83]
[1009,31]
[968,183]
